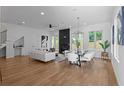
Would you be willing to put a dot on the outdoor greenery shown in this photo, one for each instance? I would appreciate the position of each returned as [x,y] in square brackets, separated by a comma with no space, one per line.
[91,36]
[98,35]
[77,43]
[77,40]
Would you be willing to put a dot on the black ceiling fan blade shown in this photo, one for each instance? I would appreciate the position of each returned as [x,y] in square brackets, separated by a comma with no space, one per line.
[50,26]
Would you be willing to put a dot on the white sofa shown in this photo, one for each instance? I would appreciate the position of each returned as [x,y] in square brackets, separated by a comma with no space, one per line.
[42,55]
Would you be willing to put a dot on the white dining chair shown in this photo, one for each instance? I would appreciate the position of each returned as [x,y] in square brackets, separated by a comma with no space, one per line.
[66,53]
[72,58]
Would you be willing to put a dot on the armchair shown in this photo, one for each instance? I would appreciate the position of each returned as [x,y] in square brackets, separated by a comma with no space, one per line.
[88,56]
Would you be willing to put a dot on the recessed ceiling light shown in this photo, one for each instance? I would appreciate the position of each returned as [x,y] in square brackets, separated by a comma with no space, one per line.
[23,22]
[42,13]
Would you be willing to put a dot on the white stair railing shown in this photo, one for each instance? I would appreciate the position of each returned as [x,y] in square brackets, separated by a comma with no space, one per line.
[3,37]
[19,42]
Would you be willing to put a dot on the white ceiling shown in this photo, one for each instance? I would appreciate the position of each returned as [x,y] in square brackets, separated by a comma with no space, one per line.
[61,16]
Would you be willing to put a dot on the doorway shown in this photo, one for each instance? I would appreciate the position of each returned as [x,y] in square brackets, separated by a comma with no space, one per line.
[64,40]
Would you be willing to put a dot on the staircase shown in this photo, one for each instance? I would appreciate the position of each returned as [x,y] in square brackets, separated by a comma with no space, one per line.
[3,38]
[2,46]
[19,42]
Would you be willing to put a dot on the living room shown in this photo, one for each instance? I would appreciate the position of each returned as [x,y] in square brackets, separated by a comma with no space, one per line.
[18,29]
[31,30]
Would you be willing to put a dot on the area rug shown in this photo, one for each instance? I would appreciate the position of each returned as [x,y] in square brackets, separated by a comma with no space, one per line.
[60,58]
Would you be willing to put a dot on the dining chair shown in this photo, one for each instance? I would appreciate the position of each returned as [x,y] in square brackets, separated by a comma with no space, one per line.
[66,53]
[72,58]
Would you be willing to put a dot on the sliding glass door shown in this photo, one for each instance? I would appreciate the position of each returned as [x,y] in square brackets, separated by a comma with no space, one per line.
[55,42]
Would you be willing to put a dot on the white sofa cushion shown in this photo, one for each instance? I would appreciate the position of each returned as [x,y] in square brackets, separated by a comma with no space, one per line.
[88,56]
[43,56]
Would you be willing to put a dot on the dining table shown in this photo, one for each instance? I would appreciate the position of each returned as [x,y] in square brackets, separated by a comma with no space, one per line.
[80,55]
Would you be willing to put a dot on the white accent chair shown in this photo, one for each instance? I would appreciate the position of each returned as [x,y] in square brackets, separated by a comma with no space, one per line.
[82,51]
[72,57]
[66,53]
[88,56]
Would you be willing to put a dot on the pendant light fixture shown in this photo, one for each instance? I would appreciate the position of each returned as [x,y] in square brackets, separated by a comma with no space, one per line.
[78,25]
[78,19]
[77,34]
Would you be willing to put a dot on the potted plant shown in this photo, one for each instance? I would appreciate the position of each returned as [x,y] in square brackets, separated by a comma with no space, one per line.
[104,46]
[77,45]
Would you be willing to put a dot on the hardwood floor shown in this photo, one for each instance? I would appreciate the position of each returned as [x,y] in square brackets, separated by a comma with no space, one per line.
[25,71]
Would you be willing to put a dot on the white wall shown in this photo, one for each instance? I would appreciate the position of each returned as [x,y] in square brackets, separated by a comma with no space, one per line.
[104,27]
[38,35]
[32,38]
[118,67]
[2,51]
[2,25]
[0,18]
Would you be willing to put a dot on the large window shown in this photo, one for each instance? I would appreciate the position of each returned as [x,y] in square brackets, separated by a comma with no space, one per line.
[73,45]
[79,37]
[98,39]
[53,38]
[95,37]
[55,42]
[91,39]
